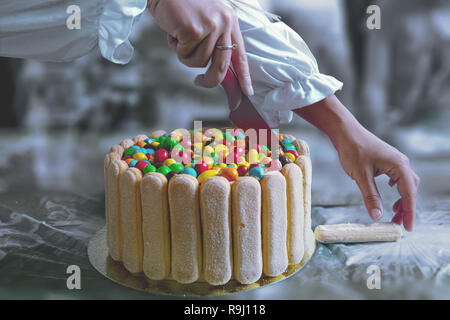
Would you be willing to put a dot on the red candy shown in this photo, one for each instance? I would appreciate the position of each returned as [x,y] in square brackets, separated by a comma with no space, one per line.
[141,165]
[294,153]
[200,167]
[242,170]
[232,157]
[255,165]
[161,155]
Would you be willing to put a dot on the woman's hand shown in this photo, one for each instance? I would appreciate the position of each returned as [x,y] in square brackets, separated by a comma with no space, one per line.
[364,157]
[195,28]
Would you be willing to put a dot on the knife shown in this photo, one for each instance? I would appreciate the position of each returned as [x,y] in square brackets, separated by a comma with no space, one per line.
[243,114]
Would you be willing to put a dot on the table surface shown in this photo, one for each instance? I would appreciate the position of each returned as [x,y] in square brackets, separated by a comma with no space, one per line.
[50,207]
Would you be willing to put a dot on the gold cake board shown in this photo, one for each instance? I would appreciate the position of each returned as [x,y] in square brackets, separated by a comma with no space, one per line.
[115,271]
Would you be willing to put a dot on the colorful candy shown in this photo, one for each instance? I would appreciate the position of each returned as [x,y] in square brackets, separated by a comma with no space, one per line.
[190,171]
[206,174]
[257,172]
[229,173]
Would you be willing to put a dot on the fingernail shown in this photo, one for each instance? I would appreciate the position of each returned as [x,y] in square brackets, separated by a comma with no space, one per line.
[375,213]
[250,90]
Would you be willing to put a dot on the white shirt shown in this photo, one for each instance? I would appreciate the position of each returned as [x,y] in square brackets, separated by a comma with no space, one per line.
[284,73]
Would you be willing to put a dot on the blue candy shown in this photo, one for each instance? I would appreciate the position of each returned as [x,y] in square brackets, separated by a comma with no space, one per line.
[132,163]
[256,172]
[190,171]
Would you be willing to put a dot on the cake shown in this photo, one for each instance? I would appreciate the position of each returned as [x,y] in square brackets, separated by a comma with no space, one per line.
[208,206]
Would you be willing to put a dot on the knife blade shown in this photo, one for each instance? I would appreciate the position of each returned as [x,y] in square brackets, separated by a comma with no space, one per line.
[243,114]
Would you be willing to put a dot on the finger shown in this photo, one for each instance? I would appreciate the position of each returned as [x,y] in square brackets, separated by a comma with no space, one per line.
[398,218]
[220,62]
[372,198]
[189,41]
[396,206]
[240,62]
[408,191]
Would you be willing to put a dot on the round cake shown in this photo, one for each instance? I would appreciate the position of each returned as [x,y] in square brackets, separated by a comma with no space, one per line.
[208,205]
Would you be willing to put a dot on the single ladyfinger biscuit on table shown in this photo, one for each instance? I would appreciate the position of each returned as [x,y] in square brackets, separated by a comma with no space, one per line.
[295,212]
[139,137]
[246,216]
[131,218]
[185,245]
[215,206]
[304,162]
[358,232]
[157,133]
[126,143]
[274,223]
[155,226]
[113,221]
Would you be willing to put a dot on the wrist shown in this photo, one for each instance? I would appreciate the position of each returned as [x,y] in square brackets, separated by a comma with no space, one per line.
[332,118]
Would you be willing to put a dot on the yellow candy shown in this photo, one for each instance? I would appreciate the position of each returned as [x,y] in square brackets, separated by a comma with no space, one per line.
[252,156]
[209,161]
[139,156]
[206,174]
[221,147]
[198,146]
[154,144]
[266,160]
[188,165]
[222,165]
[290,156]
[198,136]
[207,150]
[169,162]
[244,163]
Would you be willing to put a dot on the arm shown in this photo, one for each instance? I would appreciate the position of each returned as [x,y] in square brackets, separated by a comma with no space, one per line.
[59,31]
[364,157]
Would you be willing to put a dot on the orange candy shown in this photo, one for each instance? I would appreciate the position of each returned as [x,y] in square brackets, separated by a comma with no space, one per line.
[141,144]
[229,173]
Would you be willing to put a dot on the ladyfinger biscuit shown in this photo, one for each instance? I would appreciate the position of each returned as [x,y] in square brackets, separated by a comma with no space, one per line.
[274,223]
[304,162]
[302,147]
[157,133]
[117,149]
[130,212]
[295,212]
[247,242]
[126,143]
[139,137]
[215,205]
[186,250]
[155,226]
[113,221]
[357,232]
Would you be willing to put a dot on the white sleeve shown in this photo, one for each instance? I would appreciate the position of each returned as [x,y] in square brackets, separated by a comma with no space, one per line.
[38,29]
[285,74]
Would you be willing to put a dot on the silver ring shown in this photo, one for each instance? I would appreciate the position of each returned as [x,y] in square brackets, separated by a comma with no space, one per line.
[232,47]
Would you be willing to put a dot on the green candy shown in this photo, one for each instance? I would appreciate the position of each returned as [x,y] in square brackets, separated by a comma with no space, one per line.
[149,168]
[164,170]
[129,152]
[178,147]
[229,137]
[177,167]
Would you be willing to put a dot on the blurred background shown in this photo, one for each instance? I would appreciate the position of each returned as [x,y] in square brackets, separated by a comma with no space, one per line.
[59,119]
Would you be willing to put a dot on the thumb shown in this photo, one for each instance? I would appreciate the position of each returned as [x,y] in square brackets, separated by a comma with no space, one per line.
[372,199]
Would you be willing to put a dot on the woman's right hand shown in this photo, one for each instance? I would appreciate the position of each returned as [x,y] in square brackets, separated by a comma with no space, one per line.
[195,28]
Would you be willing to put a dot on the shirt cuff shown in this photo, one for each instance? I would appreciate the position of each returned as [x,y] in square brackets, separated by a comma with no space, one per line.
[115,26]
